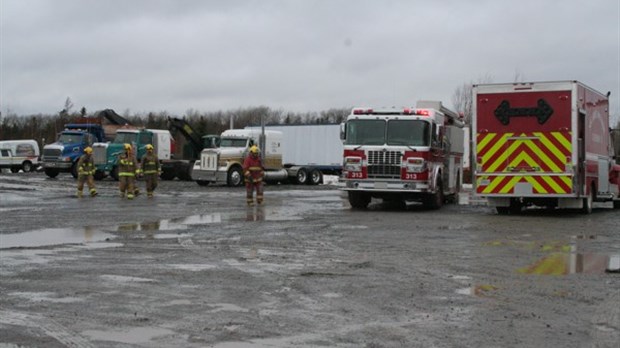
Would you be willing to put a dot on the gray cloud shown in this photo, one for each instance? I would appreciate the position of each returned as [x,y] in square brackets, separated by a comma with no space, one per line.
[293,55]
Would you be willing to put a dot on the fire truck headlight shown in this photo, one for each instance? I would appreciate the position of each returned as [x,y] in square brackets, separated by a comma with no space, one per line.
[415,165]
[353,164]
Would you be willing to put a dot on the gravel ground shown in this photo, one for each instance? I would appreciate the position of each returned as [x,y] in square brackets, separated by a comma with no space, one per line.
[195,267]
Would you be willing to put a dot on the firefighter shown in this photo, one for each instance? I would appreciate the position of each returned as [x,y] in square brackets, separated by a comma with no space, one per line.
[253,171]
[127,171]
[150,170]
[86,172]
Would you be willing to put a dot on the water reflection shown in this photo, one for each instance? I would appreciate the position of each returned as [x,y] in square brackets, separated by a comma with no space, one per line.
[53,236]
[571,263]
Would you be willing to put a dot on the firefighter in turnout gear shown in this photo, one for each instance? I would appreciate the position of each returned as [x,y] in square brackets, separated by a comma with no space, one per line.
[127,170]
[150,170]
[86,172]
[253,172]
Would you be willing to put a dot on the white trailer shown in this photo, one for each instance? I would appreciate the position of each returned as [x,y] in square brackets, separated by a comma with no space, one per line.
[304,153]
[316,145]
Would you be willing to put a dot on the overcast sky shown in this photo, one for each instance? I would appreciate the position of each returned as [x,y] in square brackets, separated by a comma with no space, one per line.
[311,55]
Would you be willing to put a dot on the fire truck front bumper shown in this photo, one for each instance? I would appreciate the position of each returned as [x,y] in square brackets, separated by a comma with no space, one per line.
[391,186]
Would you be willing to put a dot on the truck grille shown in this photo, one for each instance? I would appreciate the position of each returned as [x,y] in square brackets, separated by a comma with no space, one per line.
[208,161]
[384,164]
[99,155]
[51,154]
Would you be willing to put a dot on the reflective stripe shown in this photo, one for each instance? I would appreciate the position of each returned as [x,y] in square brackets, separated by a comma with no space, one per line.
[126,174]
[255,168]
[150,172]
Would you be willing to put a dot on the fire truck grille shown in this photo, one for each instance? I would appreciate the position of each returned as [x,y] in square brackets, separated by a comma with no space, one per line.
[384,164]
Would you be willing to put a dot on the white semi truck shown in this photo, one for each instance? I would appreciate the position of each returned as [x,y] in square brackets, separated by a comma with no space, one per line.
[300,154]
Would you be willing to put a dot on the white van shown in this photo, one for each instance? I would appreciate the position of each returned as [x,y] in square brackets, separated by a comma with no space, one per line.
[19,155]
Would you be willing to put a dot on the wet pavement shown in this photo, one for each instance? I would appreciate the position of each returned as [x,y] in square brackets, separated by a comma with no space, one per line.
[195,267]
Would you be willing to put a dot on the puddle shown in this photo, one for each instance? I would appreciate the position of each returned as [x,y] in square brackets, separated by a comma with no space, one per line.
[53,236]
[573,263]
[481,290]
[132,336]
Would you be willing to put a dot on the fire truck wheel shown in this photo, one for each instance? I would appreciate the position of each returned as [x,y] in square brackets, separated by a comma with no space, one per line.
[435,200]
[616,204]
[515,207]
[587,202]
[359,200]
[202,182]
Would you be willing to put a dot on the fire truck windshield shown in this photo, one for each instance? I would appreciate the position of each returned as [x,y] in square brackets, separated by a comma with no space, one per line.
[365,132]
[408,132]
[397,132]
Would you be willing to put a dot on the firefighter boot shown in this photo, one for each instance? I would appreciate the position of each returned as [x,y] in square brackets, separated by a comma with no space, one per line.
[149,194]
[129,195]
[93,192]
[250,201]
[79,194]
[259,199]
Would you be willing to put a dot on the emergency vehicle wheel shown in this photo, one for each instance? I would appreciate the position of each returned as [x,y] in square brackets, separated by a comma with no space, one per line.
[587,202]
[235,177]
[359,200]
[202,182]
[435,200]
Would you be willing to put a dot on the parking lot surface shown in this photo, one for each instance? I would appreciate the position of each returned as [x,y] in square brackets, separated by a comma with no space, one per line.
[196,267]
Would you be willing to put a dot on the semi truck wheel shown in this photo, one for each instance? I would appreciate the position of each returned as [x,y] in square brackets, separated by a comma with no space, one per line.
[202,182]
[99,175]
[235,177]
[74,170]
[315,177]
[302,176]
[114,173]
[51,172]
[167,174]
[359,200]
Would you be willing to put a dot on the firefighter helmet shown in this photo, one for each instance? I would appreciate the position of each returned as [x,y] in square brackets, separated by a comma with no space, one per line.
[127,147]
[88,150]
[254,149]
[149,147]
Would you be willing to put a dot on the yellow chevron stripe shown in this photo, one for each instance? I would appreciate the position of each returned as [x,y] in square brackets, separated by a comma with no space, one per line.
[485,141]
[502,158]
[510,184]
[537,187]
[491,187]
[543,156]
[523,157]
[549,145]
[554,185]
[498,145]
[565,142]
[568,181]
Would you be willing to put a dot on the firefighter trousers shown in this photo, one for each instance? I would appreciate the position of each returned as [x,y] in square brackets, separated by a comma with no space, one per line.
[249,188]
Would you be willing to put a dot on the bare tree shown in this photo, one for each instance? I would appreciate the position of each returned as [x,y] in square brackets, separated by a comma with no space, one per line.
[462,100]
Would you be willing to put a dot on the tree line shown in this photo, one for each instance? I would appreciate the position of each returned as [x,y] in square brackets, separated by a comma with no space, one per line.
[44,128]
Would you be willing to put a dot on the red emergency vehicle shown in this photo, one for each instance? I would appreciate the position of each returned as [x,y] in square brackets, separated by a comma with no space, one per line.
[406,154]
[543,144]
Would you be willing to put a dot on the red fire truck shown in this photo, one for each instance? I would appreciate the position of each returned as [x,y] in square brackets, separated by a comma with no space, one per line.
[543,144]
[407,154]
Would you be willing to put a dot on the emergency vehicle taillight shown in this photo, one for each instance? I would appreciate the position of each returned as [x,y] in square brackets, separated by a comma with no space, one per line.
[353,164]
[422,112]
